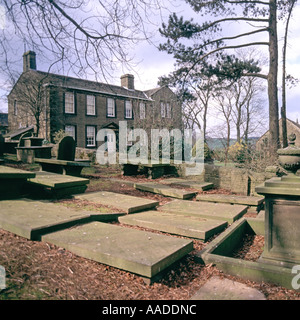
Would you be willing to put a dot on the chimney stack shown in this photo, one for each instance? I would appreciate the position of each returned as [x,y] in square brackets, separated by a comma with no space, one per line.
[29,61]
[127,81]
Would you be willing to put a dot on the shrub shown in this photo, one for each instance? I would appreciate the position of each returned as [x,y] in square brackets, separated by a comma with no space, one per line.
[238,152]
[208,153]
[58,135]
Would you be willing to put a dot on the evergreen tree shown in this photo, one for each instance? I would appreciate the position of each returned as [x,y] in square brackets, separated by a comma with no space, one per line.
[192,44]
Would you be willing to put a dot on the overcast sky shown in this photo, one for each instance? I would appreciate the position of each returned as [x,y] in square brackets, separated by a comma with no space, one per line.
[155,64]
[151,64]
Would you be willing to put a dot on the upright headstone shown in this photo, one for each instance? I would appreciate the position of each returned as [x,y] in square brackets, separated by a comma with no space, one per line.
[1,145]
[66,149]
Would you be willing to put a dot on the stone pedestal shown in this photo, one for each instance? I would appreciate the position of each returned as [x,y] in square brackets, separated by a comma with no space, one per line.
[282,220]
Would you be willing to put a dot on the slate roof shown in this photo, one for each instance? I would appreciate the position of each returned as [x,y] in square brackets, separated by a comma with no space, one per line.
[56,80]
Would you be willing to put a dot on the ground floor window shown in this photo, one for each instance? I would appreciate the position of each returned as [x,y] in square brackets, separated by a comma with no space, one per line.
[90,136]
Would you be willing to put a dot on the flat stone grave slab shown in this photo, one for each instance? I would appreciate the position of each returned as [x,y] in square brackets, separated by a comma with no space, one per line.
[199,186]
[120,201]
[225,289]
[30,218]
[218,211]
[192,227]
[139,252]
[232,199]
[12,182]
[165,190]
[59,185]
[13,173]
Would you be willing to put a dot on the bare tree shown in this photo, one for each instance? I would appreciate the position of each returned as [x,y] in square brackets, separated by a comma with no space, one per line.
[29,101]
[224,105]
[259,16]
[85,36]
[288,7]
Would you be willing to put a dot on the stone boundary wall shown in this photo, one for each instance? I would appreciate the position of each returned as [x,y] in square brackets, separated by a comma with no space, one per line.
[237,180]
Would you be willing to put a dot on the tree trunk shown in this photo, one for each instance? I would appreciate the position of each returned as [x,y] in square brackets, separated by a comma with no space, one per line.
[205,121]
[283,107]
[228,141]
[272,81]
[238,131]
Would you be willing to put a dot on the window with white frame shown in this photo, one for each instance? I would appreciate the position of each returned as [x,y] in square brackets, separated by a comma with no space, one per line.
[163,109]
[128,109]
[90,105]
[168,110]
[110,111]
[90,136]
[69,102]
[70,130]
[142,110]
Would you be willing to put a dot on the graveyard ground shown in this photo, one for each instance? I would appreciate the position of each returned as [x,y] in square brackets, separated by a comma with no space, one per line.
[37,270]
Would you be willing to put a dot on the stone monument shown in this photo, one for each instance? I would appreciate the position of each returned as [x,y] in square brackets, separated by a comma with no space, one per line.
[282,209]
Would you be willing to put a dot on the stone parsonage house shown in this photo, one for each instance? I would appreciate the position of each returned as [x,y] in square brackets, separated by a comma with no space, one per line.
[52,102]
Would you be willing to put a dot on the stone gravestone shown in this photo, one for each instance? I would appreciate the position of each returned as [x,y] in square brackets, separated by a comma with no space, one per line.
[22,139]
[1,145]
[282,220]
[66,149]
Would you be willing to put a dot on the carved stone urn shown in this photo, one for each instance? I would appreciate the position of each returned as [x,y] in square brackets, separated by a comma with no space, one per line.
[289,158]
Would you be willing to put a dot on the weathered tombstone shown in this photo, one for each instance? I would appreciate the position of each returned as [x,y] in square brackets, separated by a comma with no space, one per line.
[22,138]
[1,145]
[66,149]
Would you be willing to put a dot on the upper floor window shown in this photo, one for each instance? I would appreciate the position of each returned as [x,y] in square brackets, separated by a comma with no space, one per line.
[110,108]
[128,110]
[168,110]
[90,105]
[163,109]
[142,110]
[69,102]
